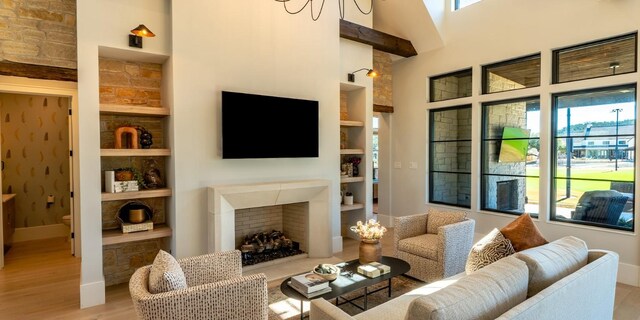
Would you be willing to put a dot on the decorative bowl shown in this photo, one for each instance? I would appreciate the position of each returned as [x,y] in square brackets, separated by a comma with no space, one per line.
[327,271]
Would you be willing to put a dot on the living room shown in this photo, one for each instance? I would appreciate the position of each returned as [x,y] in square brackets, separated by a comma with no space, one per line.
[205,48]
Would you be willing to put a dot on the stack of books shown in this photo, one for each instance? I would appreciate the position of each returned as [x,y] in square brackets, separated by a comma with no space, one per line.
[373,269]
[310,284]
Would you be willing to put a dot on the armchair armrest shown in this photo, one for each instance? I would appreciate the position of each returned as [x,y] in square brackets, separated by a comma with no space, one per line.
[456,241]
[322,309]
[211,267]
[407,227]
[236,298]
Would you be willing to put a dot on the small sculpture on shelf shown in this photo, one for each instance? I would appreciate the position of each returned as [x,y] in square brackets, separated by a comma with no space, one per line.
[126,137]
[146,139]
[355,161]
[152,179]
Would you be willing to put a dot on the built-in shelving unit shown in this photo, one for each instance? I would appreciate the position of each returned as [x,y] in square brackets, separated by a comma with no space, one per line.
[351,151]
[354,206]
[351,123]
[135,152]
[110,237]
[155,193]
[134,110]
[351,179]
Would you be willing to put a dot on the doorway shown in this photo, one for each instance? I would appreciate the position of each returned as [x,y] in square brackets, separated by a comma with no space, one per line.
[381,149]
[37,127]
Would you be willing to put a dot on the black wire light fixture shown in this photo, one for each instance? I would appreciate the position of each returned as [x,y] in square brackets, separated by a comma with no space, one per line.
[314,16]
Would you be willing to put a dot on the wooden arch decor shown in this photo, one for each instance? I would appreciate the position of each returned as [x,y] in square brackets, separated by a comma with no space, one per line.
[129,135]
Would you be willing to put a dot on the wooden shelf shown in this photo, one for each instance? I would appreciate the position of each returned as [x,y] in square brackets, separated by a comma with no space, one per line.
[156,193]
[134,110]
[351,179]
[351,151]
[116,236]
[351,123]
[135,152]
[354,206]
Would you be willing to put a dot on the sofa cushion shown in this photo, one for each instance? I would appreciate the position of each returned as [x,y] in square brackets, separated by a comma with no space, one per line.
[437,219]
[424,245]
[484,294]
[523,233]
[491,248]
[165,274]
[552,262]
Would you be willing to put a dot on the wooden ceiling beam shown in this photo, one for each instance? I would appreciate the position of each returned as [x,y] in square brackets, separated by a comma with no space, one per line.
[16,69]
[377,39]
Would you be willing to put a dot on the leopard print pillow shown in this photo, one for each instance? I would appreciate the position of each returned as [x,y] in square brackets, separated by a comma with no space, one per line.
[491,248]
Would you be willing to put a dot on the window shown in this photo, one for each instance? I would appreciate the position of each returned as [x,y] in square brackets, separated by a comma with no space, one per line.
[459,4]
[596,59]
[511,75]
[594,184]
[450,86]
[450,156]
[510,144]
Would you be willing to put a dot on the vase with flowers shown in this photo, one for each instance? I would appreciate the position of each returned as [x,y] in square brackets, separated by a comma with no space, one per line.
[370,233]
[355,161]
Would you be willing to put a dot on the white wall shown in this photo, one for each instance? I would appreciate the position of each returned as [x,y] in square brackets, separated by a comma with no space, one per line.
[491,31]
[253,47]
[104,23]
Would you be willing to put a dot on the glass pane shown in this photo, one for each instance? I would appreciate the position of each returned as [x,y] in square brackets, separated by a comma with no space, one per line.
[595,202]
[596,113]
[451,156]
[463,3]
[511,157]
[592,60]
[523,114]
[451,124]
[595,158]
[511,194]
[512,75]
[451,188]
[450,86]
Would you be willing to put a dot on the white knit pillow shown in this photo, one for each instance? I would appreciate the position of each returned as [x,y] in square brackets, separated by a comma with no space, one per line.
[166,274]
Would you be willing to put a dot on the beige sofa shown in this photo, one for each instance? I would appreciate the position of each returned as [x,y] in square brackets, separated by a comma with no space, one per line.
[560,280]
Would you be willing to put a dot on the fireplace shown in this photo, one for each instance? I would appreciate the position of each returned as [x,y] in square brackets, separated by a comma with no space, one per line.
[305,206]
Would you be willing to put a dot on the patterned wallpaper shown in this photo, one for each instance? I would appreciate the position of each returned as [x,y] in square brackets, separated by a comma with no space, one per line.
[35,144]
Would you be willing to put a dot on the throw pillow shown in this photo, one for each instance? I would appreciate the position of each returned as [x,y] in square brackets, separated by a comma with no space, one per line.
[165,274]
[523,233]
[437,218]
[491,248]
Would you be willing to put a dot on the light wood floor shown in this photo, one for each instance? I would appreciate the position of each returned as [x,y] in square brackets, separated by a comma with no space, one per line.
[41,281]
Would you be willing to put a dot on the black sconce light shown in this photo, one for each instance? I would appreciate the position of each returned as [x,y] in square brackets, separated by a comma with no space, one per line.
[135,39]
[370,73]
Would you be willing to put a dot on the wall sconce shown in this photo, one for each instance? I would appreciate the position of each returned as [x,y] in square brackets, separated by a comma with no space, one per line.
[135,39]
[370,73]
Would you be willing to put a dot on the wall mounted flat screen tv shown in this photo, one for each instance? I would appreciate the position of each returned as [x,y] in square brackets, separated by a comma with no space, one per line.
[258,126]
[514,145]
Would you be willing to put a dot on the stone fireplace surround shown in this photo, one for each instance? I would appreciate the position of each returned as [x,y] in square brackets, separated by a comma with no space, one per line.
[224,200]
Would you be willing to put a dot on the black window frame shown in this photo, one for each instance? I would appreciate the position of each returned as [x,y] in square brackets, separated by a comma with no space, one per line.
[483,155]
[555,63]
[554,159]
[485,82]
[450,74]
[432,152]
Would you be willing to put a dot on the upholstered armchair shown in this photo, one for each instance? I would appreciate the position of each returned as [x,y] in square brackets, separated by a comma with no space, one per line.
[215,289]
[436,244]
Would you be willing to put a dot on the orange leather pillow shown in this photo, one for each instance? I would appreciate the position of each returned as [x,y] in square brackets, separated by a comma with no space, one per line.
[523,233]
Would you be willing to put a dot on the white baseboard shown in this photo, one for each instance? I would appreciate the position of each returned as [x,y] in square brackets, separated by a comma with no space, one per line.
[386,220]
[92,294]
[629,274]
[337,244]
[40,232]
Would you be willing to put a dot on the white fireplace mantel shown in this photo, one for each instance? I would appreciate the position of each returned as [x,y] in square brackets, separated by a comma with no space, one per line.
[225,199]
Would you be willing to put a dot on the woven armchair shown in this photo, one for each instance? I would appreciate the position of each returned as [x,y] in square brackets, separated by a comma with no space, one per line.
[432,256]
[216,290]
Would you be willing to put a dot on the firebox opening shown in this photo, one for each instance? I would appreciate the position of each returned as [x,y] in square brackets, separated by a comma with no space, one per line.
[267,246]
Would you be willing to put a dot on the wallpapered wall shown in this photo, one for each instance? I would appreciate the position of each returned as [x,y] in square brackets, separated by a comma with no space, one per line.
[35,151]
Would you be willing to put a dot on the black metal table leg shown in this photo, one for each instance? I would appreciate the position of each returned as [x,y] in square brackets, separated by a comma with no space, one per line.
[301,310]
[365,298]
[389,294]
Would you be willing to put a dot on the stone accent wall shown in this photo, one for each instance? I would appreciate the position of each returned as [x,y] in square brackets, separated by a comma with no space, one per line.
[383,83]
[41,32]
[120,261]
[499,117]
[292,219]
[452,156]
[344,109]
[451,87]
[35,151]
[498,83]
[126,82]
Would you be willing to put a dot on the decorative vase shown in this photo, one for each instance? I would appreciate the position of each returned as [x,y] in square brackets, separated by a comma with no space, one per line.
[356,172]
[370,250]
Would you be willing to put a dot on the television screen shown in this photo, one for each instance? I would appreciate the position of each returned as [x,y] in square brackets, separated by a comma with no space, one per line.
[257,126]
[514,145]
